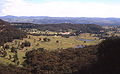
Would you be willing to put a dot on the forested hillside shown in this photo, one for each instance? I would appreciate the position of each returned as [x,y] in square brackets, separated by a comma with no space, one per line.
[8,33]
[84,28]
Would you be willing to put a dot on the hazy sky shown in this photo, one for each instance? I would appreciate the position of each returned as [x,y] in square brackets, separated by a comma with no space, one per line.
[61,8]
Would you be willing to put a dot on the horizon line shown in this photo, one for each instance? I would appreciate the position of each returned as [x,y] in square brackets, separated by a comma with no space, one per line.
[57,16]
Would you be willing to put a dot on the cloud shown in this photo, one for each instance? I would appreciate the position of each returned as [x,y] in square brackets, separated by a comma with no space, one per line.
[2,2]
[61,9]
[6,4]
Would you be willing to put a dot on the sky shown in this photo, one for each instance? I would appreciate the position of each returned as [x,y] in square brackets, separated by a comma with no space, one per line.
[61,8]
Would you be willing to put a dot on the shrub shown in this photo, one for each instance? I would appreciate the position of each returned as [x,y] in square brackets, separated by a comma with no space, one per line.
[25,44]
[46,39]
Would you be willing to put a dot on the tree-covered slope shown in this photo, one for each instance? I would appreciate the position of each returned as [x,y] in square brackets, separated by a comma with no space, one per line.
[85,28]
[8,33]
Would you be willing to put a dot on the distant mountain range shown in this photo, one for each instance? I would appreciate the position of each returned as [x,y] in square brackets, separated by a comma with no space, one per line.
[51,20]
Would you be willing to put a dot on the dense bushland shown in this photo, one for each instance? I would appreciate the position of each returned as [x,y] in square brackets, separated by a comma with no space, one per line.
[84,28]
[64,61]
[108,57]
[8,33]
[10,69]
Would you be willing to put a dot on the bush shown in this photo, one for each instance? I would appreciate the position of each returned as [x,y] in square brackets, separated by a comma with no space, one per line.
[41,49]
[46,39]
[25,44]
[13,49]
[3,53]
[6,47]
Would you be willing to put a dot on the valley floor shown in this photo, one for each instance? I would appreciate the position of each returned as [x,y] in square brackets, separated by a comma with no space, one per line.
[46,42]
